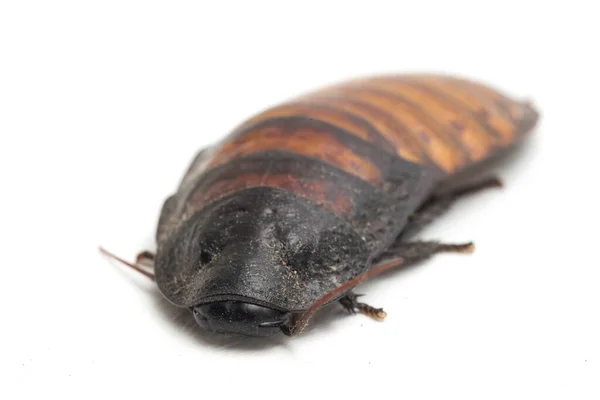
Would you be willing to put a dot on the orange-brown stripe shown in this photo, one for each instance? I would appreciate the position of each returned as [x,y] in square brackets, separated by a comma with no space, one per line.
[391,129]
[459,107]
[482,107]
[502,102]
[459,124]
[303,141]
[340,118]
[442,148]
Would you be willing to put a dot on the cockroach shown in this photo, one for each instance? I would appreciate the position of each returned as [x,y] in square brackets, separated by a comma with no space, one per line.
[302,202]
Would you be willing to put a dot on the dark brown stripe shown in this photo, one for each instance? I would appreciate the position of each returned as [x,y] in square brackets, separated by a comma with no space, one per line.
[479,138]
[374,136]
[309,138]
[342,119]
[396,130]
[456,106]
[505,105]
[479,105]
[341,193]
[456,154]
[424,117]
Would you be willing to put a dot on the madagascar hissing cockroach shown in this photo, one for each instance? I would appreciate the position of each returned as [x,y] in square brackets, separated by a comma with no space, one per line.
[300,203]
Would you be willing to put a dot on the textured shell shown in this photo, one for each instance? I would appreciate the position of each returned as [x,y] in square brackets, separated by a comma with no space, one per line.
[428,119]
[367,152]
[441,122]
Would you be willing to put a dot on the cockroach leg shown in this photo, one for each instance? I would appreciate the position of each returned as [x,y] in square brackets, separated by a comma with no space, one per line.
[399,255]
[298,321]
[411,252]
[350,303]
[145,258]
[414,252]
[130,265]
[439,204]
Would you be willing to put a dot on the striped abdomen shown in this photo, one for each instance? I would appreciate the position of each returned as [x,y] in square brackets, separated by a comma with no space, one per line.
[427,119]
[342,147]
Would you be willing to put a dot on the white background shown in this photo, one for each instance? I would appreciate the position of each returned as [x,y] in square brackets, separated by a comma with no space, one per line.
[102,106]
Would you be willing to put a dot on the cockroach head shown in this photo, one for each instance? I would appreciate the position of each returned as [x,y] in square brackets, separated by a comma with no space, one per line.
[245,264]
[240,317]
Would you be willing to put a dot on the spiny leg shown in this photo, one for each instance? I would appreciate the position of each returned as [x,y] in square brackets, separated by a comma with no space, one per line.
[439,204]
[352,305]
[404,254]
[401,253]
[414,252]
